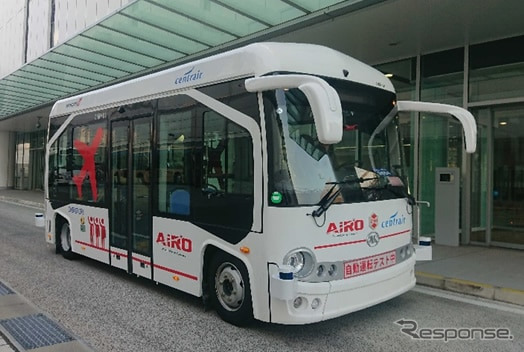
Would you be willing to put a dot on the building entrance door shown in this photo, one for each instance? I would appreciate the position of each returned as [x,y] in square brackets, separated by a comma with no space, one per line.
[503,157]
[440,145]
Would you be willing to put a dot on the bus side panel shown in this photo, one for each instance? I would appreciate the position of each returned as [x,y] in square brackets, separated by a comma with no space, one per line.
[178,253]
[119,258]
[177,258]
[50,230]
[89,230]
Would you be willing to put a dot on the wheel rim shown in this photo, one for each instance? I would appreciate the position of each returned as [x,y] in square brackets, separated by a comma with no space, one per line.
[229,287]
[65,238]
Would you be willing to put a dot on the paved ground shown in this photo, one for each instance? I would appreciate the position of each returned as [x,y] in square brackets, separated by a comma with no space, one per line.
[495,266]
[493,273]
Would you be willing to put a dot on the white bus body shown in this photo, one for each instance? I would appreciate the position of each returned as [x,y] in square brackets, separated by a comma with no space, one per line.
[266,179]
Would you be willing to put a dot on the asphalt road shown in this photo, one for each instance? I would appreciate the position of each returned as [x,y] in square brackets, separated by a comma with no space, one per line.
[113,311]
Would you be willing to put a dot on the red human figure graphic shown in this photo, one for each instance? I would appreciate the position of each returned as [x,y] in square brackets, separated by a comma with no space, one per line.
[88,154]
[97,232]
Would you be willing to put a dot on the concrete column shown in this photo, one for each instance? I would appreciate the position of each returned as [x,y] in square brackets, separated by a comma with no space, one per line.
[12,160]
[4,158]
[7,158]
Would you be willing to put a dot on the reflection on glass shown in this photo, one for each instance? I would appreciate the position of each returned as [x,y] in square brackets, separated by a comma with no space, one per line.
[442,77]
[361,164]
[119,172]
[403,76]
[508,175]
[479,178]
[496,70]
[141,187]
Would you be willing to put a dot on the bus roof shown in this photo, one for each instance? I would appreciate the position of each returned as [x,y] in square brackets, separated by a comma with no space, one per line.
[252,60]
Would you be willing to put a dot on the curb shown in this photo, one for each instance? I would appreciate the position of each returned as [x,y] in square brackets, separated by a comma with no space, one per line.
[5,346]
[487,291]
[28,203]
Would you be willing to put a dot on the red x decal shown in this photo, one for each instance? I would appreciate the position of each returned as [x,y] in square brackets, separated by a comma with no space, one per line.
[88,154]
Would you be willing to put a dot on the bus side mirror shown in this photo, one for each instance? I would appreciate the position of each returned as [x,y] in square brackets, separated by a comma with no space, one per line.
[466,119]
[323,99]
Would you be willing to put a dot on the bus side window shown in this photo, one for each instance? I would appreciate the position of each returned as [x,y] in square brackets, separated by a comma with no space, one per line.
[204,168]
[178,137]
[89,162]
[60,172]
[226,199]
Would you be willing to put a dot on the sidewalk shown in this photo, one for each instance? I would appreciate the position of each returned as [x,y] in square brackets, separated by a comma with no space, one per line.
[24,327]
[487,272]
[33,199]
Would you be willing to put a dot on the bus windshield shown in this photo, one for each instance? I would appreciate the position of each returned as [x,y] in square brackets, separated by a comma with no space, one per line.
[366,165]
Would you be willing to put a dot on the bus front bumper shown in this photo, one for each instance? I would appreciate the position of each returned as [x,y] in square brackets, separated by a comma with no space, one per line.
[299,302]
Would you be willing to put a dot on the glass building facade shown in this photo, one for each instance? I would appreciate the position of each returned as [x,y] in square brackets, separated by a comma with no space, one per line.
[488,80]
[29,160]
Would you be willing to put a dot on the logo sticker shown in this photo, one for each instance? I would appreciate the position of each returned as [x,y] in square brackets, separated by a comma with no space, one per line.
[382,172]
[175,244]
[345,228]
[83,224]
[189,76]
[394,220]
[373,239]
[373,221]
[97,231]
[75,103]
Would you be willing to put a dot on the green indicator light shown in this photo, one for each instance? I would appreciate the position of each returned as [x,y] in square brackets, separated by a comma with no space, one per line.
[276,197]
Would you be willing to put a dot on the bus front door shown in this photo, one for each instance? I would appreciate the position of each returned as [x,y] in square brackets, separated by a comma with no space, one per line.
[130,209]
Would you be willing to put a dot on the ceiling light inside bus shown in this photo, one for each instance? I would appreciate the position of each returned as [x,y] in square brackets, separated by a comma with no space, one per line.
[302,261]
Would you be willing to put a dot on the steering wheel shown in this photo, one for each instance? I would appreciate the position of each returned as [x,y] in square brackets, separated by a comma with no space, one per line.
[211,187]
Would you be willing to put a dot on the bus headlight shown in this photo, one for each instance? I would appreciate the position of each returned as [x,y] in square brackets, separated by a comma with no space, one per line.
[302,261]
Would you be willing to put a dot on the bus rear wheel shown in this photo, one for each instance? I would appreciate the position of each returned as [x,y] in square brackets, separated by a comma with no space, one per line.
[65,242]
[231,292]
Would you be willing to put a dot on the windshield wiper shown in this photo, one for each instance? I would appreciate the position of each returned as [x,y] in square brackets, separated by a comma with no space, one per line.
[332,194]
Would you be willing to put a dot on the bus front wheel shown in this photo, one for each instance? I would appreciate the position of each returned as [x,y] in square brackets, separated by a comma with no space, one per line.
[65,242]
[231,292]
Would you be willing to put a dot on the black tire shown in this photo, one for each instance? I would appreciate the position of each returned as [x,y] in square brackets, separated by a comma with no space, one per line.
[230,291]
[64,241]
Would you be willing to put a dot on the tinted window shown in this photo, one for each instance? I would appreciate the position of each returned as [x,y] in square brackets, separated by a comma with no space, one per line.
[205,168]
[78,162]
